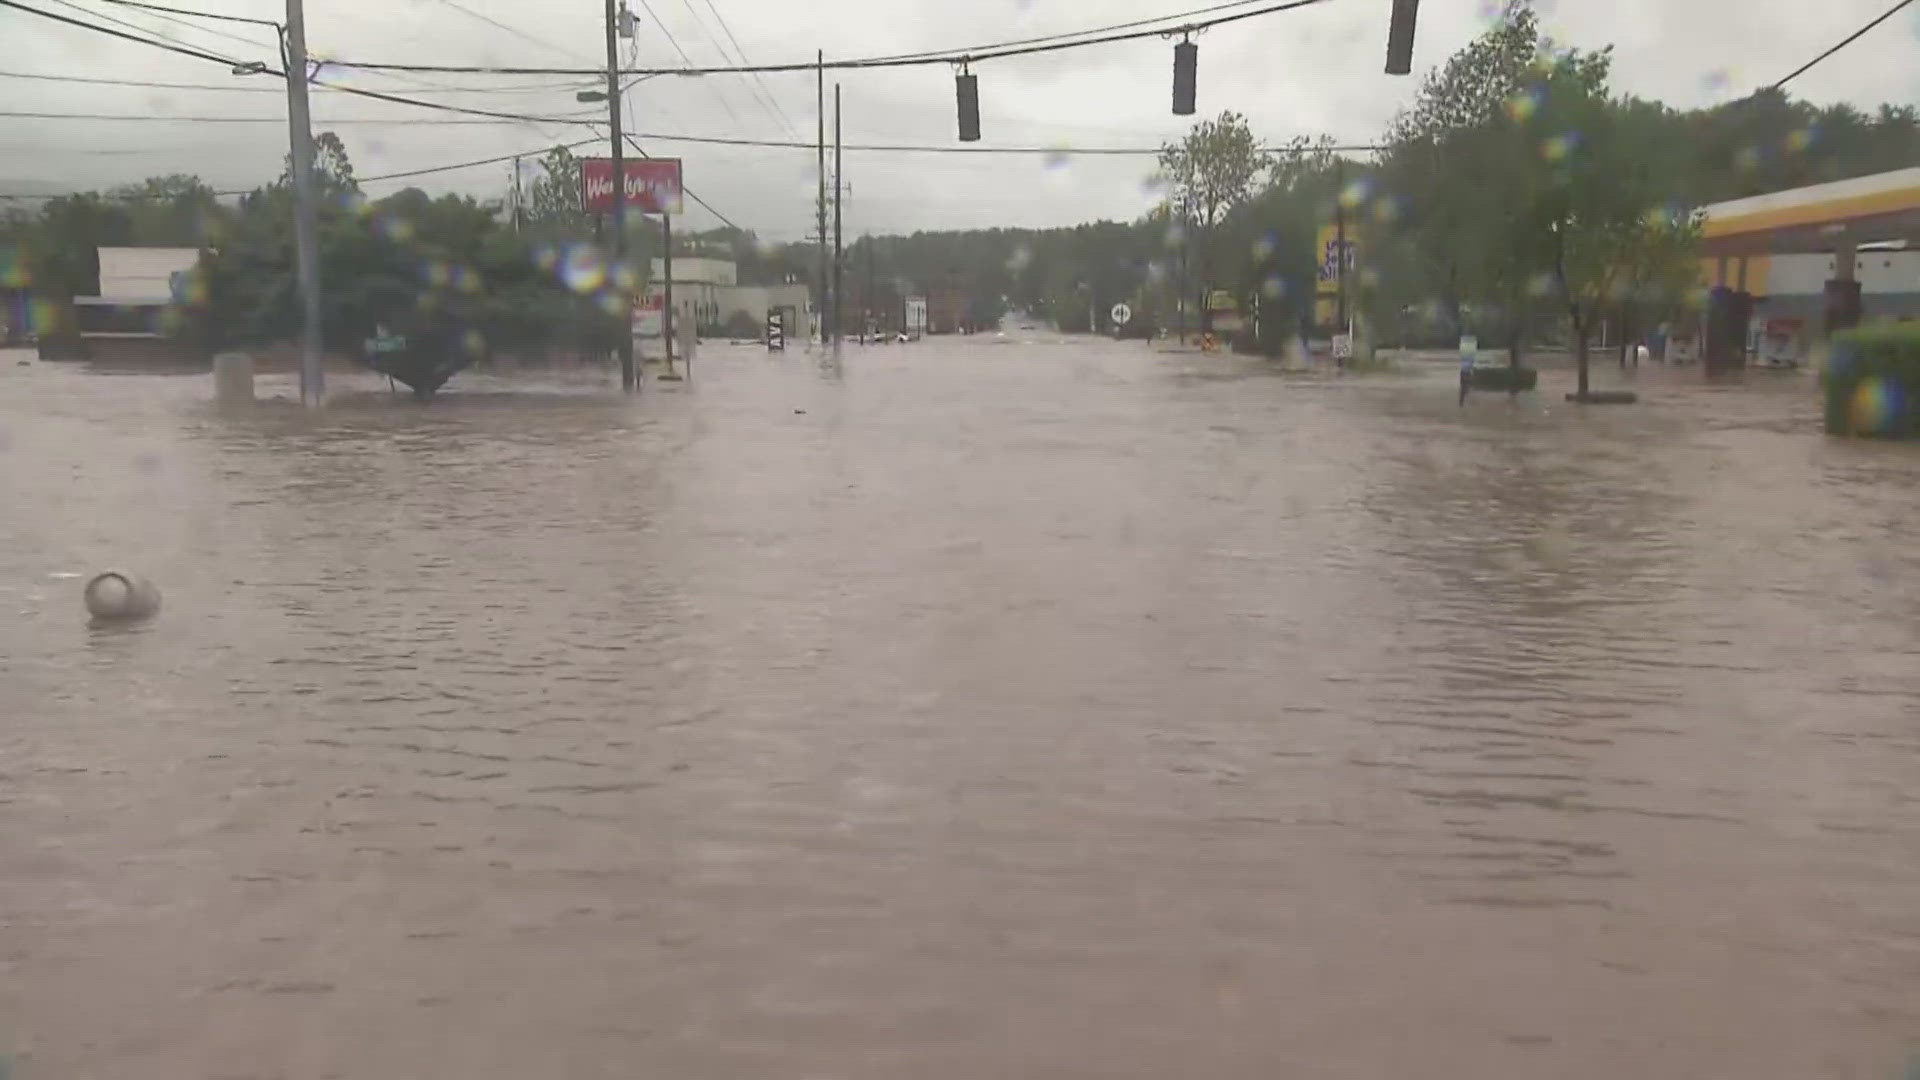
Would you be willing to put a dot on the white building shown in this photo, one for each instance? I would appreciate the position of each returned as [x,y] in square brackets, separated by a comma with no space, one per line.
[708,292]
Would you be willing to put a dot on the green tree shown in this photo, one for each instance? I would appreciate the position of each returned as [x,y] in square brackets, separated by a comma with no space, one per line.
[554,199]
[1209,174]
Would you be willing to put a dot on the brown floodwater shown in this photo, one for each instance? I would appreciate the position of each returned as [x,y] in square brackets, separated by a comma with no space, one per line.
[979,708]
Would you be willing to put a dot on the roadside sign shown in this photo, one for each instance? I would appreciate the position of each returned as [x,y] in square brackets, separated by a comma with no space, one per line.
[1343,346]
[649,316]
[1122,314]
[776,330]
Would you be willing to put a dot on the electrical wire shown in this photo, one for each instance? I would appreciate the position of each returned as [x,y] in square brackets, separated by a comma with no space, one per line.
[401,175]
[165,19]
[916,60]
[318,121]
[661,136]
[685,59]
[1850,39]
[786,122]
[497,24]
[195,14]
[184,50]
[147,85]
[754,87]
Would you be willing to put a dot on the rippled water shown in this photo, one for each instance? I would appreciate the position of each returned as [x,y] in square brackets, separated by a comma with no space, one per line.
[971,710]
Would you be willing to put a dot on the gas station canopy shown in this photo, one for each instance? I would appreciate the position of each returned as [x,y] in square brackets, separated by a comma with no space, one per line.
[1817,219]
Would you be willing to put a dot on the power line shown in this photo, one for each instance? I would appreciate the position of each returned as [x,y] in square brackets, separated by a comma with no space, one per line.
[166,19]
[497,24]
[1066,34]
[147,85]
[265,69]
[403,174]
[317,121]
[1850,39]
[786,122]
[916,60]
[685,59]
[196,14]
[707,140]
[754,88]
[184,50]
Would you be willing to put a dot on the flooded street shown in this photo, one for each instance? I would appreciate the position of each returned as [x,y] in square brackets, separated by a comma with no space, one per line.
[976,709]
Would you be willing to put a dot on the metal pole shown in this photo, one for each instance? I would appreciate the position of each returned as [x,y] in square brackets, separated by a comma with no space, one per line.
[873,310]
[820,95]
[1340,245]
[305,231]
[625,336]
[666,270]
[839,196]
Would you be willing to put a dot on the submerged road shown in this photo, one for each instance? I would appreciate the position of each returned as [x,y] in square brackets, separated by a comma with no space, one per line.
[980,708]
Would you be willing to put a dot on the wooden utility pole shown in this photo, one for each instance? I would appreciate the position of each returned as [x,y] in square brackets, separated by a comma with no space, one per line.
[615,277]
[820,95]
[305,232]
[839,196]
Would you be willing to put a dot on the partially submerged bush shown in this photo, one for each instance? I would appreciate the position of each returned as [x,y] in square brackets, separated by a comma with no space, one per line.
[1870,380]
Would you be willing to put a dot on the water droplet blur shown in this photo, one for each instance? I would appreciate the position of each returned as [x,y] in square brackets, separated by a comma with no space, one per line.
[1056,160]
[1356,193]
[1022,255]
[1388,208]
[582,268]
[1274,287]
[1522,104]
[1176,234]
[1801,140]
[1263,247]
[1877,402]
[1540,285]
[395,228]
[1747,158]
[1558,148]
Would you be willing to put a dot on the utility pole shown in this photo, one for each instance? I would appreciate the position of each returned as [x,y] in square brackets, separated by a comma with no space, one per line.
[839,196]
[305,232]
[519,207]
[873,309]
[615,277]
[820,110]
[1340,245]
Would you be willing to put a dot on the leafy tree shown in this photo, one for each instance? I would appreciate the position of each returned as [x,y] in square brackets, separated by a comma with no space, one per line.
[555,198]
[332,169]
[1208,174]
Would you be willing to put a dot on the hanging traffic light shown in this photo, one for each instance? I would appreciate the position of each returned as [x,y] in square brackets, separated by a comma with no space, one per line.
[966,87]
[1186,64]
[1400,37]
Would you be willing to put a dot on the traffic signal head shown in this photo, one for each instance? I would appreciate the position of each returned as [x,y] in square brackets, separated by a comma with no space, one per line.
[1186,62]
[966,88]
[1400,36]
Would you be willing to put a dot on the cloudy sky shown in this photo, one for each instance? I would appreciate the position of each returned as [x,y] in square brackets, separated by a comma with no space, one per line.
[1308,72]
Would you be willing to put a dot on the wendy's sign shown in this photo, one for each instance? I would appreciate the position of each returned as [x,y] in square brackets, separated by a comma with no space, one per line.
[653,185]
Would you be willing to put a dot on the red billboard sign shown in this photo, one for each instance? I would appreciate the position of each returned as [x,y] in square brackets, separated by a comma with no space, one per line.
[653,185]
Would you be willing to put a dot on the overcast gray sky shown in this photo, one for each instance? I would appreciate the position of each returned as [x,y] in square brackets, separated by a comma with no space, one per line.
[1309,72]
